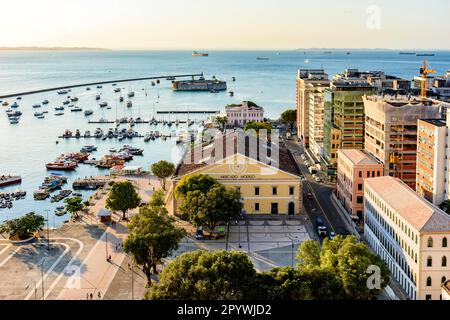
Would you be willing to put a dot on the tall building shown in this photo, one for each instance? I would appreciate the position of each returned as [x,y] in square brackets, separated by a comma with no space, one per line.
[410,234]
[310,83]
[431,160]
[344,119]
[354,166]
[391,131]
[378,79]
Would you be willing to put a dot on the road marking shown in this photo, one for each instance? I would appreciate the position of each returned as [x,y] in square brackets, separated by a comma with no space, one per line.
[39,283]
[9,257]
[53,285]
[7,247]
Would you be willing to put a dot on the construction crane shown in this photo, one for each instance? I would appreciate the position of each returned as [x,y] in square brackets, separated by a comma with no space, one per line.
[424,71]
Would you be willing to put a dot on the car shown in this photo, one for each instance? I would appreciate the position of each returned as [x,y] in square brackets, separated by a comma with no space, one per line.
[332,235]
[319,222]
[310,196]
[199,234]
[322,231]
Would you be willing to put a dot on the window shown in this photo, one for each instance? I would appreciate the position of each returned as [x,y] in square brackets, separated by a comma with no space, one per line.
[443,280]
[257,190]
[444,261]
[428,297]
[291,191]
[360,200]
[360,187]
[429,282]
[360,174]
[257,208]
[444,242]
[429,262]
[430,242]
[274,191]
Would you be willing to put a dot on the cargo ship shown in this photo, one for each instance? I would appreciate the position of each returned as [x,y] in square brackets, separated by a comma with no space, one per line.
[199,54]
[9,180]
[200,85]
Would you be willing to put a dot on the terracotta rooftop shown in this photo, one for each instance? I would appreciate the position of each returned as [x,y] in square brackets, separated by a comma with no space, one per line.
[198,156]
[417,211]
[357,157]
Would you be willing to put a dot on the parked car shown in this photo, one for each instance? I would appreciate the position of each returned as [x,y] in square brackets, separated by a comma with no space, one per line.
[310,196]
[322,231]
[199,234]
[332,235]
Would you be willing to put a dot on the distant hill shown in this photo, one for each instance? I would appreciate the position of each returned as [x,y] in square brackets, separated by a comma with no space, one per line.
[50,49]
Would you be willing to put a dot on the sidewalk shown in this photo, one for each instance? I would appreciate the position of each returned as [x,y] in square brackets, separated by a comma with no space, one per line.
[345,216]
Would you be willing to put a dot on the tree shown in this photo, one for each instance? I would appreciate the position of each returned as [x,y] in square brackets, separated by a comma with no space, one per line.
[123,197]
[221,121]
[349,260]
[153,237]
[204,275]
[257,126]
[206,202]
[23,227]
[196,182]
[73,205]
[289,117]
[157,199]
[163,170]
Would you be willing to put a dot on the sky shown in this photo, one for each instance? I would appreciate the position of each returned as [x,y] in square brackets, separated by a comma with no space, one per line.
[226,24]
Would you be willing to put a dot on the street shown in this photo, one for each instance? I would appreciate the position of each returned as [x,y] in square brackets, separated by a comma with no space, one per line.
[321,206]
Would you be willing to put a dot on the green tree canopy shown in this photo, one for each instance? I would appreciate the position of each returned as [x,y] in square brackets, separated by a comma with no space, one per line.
[23,227]
[163,170]
[257,126]
[157,199]
[209,209]
[221,121]
[153,237]
[123,197]
[289,117]
[73,205]
[349,260]
[196,182]
[204,275]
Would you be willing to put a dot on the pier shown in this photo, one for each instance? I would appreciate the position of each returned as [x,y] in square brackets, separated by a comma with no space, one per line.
[12,95]
[91,182]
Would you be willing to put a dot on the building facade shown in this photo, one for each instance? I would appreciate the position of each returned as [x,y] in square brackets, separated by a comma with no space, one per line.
[391,132]
[310,83]
[344,118]
[410,234]
[267,187]
[239,114]
[354,166]
[431,162]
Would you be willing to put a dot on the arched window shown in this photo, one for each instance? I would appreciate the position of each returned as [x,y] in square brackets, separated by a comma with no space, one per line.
[429,282]
[429,262]
[444,242]
[444,261]
[443,280]
[430,242]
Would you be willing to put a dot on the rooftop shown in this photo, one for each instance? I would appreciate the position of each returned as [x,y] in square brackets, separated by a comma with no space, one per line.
[198,155]
[436,122]
[357,157]
[418,212]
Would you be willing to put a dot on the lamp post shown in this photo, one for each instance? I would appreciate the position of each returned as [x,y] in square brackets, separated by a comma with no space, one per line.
[48,231]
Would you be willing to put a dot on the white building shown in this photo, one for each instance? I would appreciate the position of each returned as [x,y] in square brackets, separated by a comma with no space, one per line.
[410,234]
[240,114]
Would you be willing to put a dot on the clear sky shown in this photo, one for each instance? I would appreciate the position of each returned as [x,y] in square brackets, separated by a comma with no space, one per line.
[226,24]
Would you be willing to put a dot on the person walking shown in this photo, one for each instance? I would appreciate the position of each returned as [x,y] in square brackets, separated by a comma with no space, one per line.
[99,295]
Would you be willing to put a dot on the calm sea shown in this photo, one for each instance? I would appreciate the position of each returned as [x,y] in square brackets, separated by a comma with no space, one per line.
[26,147]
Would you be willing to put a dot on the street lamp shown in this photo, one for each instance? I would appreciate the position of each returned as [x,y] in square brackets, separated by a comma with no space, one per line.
[48,231]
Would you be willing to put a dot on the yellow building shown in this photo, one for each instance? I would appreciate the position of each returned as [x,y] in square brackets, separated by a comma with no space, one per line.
[272,187]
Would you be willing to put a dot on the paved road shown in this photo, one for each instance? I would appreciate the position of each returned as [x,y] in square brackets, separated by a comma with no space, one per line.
[321,206]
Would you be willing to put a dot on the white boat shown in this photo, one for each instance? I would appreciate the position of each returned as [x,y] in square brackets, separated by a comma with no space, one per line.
[15,105]
[63,91]
[59,114]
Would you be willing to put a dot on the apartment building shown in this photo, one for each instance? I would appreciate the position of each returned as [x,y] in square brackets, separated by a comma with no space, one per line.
[378,79]
[310,83]
[410,234]
[354,166]
[391,131]
[344,118]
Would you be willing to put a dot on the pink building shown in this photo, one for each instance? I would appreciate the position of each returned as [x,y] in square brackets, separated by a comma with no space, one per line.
[353,167]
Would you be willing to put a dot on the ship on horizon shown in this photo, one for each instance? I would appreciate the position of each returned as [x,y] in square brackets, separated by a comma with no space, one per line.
[199,54]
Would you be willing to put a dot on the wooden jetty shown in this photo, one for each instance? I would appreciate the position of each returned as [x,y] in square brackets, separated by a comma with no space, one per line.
[97,83]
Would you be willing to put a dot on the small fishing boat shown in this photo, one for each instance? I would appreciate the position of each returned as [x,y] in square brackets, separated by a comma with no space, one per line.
[88,112]
[97,97]
[74,99]
[76,109]
[45,102]
[66,102]
[99,87]
[59,108]
[121,99]
[64,91]
[131,94]
[103,104]
[129,104]
[35,106]
[117,90]
[59,114]
[15,105]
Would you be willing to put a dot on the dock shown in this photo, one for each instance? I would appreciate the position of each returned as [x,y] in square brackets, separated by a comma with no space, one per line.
[189,112]
[12,95]
[91,182]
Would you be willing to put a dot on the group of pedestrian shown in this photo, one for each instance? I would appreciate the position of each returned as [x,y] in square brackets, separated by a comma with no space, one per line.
[90,296]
